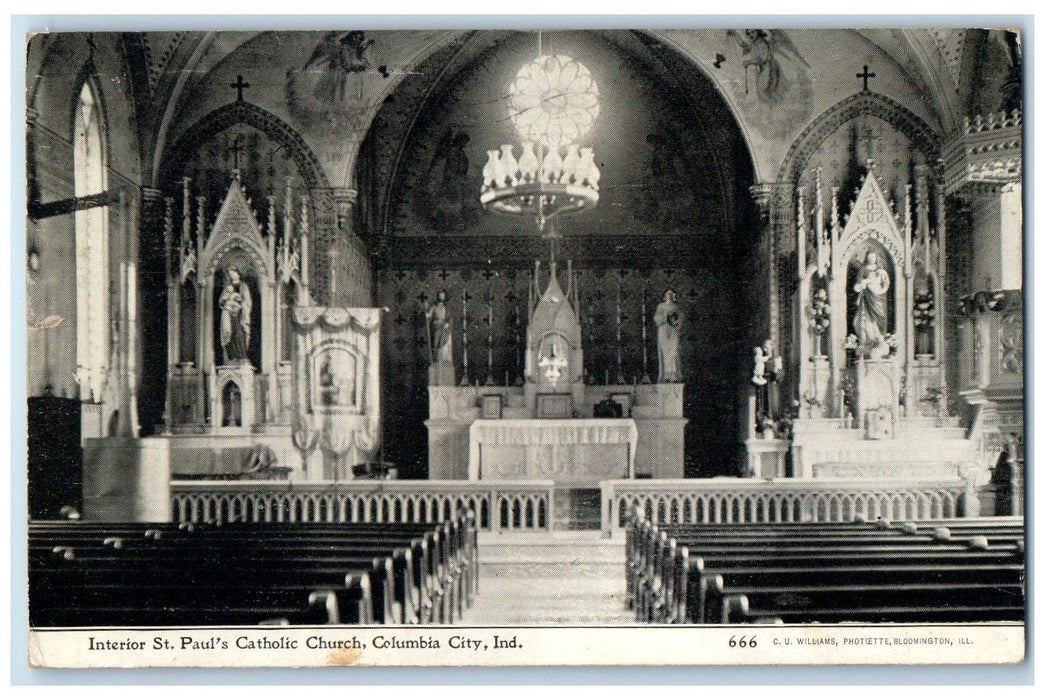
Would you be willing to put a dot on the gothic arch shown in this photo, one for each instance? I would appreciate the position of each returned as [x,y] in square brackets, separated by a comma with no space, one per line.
[262,120]
[923,136]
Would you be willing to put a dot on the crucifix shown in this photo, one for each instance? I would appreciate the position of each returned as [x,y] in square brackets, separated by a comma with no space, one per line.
[235,148]
[239,85]
[865,75]
[869,137]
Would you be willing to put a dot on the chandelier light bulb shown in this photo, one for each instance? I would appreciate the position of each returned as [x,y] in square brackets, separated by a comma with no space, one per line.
[589,172]
[510,165]
[571,165]
[551,171]
[528,163]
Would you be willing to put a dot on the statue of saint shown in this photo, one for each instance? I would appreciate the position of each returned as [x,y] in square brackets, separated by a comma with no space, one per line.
[870,321]
[440,342]
[236,305]
[769,366]
[668,318]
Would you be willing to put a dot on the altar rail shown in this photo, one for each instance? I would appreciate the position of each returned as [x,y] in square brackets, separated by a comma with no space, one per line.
[726,500]
[504,505]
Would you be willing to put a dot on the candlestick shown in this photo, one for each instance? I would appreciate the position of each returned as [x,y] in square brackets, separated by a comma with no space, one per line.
[620,366]
[489,341]
[464,337]
[518,347]
[186,213]
[645,352]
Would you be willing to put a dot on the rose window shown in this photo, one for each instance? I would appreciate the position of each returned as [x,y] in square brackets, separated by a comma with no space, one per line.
[554,101]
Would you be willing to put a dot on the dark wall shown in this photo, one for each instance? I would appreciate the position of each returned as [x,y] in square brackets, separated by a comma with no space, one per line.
[55,460]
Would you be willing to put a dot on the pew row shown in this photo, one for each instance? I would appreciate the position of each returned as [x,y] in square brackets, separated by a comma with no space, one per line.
[146,574]
[961,570]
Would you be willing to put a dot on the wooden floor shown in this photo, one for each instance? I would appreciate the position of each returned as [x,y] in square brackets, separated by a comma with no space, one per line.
[562,578]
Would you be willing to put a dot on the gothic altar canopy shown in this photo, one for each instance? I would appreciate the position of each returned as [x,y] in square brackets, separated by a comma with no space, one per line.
[263,382]
[869,352]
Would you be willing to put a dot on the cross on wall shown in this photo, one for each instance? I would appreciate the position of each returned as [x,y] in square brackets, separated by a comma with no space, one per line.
[865,75]
[239,85]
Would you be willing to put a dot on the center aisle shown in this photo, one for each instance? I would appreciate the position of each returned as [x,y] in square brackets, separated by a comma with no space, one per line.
[561,578]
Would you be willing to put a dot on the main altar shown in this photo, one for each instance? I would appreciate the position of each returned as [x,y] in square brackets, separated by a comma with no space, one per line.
[555,426]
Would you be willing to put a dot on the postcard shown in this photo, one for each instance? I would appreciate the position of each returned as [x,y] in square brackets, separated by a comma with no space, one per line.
[525,347]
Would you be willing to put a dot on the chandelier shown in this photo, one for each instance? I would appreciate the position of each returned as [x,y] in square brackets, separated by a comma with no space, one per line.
[553,102]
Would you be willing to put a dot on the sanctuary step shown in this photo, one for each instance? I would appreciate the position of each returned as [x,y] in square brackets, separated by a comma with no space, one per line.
[559,578]
[576,508]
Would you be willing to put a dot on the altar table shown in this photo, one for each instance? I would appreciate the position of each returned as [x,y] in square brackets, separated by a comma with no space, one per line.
[575,451]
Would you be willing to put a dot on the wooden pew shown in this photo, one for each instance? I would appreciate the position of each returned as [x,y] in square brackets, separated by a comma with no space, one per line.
[665,585]
[928,603]
[696,573]
[321,562]
[106,574]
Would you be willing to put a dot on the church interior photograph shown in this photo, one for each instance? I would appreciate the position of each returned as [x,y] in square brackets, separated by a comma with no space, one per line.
[509,327]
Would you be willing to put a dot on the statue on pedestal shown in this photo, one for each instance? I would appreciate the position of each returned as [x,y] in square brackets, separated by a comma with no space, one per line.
[440,342]
[236,305]
[668,318]
[870,321]
[769,367]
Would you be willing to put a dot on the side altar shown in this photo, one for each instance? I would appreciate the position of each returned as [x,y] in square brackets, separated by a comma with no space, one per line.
[869,385]
[263,382]
[555,426]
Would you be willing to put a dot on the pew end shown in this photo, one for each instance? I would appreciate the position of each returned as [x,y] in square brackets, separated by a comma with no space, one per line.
[979,543]
[275,622]
[323,604]
[734,606]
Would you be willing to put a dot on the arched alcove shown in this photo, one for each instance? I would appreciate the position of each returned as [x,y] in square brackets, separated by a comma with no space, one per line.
[674,211]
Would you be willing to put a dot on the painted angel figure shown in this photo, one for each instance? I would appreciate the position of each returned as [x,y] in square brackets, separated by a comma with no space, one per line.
[343,54]
[762,49]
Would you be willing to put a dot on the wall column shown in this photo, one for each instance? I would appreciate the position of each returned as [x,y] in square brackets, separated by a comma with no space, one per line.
[774,286]
[341,266]
[154,255]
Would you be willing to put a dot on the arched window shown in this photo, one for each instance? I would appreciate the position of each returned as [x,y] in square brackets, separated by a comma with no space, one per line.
[92,249]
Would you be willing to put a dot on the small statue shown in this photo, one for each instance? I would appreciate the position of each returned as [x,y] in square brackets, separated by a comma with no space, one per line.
[769,367]
[440,342]
[668,318]
[870,321]
[235,303]
[758,376]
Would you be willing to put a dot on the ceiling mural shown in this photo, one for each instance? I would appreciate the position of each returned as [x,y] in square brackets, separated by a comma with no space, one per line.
[769,77]
[332,89]
[661,159]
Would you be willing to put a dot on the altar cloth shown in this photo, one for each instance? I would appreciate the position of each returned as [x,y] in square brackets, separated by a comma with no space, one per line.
[563,449]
